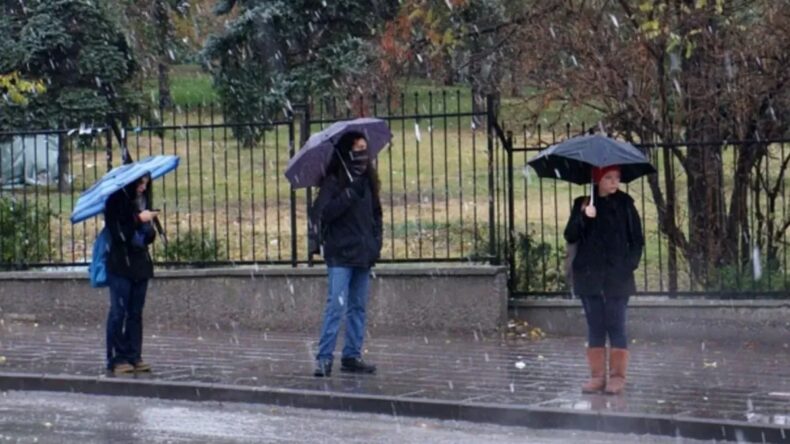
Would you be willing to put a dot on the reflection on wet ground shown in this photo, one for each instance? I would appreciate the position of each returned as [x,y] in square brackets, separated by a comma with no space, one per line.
[686,379]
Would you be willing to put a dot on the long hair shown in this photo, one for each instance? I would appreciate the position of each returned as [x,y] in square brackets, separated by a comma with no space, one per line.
[131,191]
[343,148]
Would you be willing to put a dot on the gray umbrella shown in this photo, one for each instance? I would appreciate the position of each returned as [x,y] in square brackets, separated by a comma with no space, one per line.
[308,167]
[573,159]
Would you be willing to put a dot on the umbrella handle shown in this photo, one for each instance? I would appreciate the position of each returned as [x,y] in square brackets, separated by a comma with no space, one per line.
[159,230]
[343,162]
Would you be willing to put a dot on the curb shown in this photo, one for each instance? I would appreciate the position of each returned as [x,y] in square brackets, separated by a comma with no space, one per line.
[507,415]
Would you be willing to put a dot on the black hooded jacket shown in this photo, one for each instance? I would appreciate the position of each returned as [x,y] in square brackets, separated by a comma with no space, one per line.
[349,218]
[609,246]
[126,258]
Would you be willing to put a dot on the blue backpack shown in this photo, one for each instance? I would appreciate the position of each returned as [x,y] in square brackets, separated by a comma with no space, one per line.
[97,270]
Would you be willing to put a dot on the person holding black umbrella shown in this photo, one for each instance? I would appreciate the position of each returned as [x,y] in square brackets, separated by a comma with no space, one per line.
[348,214]
[607,232]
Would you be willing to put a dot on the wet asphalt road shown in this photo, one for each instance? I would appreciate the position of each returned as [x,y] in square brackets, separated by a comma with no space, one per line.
[44,417]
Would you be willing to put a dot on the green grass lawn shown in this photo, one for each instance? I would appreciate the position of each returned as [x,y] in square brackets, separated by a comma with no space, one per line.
[189,86]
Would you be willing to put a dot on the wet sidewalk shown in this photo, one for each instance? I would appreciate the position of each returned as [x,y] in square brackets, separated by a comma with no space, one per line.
[697,389]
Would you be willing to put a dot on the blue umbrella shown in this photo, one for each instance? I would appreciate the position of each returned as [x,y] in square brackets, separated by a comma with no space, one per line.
[308,167]
[92,200]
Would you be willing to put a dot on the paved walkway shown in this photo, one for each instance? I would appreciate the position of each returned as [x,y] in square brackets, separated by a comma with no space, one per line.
[743,384]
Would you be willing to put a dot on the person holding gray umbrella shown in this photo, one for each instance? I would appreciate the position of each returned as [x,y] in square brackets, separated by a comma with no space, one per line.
[345,226]
[605,231]
[349,210]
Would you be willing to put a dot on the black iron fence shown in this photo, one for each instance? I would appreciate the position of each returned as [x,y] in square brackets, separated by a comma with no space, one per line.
[229,202]
[454,188]
[715,217]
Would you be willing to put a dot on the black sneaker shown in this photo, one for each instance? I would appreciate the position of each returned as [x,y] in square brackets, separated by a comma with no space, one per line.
[356,365]
[323,367]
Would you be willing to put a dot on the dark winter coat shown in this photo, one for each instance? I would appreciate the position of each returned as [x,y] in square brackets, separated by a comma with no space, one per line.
[608,247]
[128,258]
[349,220]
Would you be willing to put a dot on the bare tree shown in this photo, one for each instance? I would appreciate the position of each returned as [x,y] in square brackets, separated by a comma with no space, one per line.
[678,72]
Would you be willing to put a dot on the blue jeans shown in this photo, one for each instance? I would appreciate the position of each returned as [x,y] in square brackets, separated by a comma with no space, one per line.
[348,294]
[125,320]
[606,316]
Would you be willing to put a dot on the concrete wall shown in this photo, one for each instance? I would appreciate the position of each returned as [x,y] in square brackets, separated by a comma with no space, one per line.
[663,318]
[404,299]
[409,298]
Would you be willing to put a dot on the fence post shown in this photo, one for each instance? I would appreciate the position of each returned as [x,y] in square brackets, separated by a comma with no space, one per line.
[304,134]
[291,153]
[63,162]
[511,219]
[492,241]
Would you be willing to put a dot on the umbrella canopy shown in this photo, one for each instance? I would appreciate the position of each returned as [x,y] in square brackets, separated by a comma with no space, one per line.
[92,200]
[573,159]
[308,167]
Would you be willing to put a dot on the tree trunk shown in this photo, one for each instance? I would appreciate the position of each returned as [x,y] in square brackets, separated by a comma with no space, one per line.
[449,69]
[770,224]
[704,172]
[706,234]
[165,99]
[667,213]
[738,227]
[163,36]
[670,219]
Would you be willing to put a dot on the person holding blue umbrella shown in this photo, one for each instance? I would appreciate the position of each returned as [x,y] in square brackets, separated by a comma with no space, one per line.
[121,260]
[129,219]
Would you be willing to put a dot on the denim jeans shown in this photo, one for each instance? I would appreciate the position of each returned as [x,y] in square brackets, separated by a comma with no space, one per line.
[125,320]
[606,316]
[347,295]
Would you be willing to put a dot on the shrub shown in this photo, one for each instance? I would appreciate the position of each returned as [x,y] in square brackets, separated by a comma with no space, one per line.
[741,279]
[193,246]
[531,258]
[24,233]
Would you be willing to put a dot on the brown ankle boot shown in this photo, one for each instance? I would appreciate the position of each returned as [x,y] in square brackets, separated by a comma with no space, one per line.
[618,364]
[596,358]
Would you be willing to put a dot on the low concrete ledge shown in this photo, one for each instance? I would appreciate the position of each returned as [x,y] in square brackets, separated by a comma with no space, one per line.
[449,269]
[420,298]
[668,318]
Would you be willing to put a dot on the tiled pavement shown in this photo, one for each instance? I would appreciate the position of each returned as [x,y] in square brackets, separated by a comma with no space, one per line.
[698,381]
